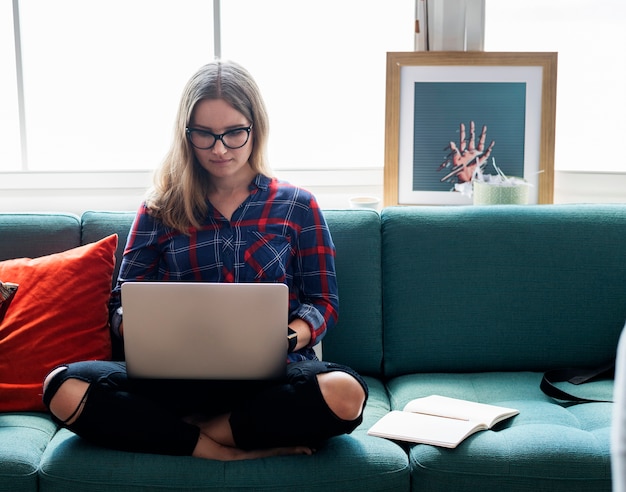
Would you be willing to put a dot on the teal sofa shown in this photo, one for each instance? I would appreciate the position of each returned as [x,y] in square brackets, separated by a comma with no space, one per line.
[468,302]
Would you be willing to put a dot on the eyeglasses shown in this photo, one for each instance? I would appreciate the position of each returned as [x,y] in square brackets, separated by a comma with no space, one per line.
[232,139]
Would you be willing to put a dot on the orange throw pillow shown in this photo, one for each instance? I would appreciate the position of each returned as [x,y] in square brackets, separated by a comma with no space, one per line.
[59,315]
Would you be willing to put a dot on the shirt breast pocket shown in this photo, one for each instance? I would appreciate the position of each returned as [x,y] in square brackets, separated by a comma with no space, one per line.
[267,257]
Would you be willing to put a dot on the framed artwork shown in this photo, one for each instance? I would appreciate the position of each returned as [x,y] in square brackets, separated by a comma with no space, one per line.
[449,112]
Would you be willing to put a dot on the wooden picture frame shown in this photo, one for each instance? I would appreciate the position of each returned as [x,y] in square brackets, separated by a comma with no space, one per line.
[429,96]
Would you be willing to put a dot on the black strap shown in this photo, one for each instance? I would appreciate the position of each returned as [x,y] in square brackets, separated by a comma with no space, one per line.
[575,376]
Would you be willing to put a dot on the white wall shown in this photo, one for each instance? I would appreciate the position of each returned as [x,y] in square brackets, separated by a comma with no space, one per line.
[77,192]
[72,192]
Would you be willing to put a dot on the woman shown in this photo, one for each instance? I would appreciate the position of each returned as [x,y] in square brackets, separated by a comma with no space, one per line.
[215,214]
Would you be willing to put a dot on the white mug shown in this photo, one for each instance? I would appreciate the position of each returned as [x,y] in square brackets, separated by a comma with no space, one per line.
[370,202]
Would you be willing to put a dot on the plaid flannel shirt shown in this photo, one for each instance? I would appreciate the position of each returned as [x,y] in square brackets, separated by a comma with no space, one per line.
[278,234]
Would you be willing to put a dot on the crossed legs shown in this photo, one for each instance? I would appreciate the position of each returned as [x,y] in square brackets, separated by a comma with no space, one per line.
[273,422]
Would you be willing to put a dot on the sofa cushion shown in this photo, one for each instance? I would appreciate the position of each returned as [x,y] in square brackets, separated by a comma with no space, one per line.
[357,338]
[548,446]
[98,224]
[37,234]
[58,315]
[500,288]
[23,438]
[354,462]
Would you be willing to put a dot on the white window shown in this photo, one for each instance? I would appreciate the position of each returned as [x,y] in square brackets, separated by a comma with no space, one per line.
[102,78]
[321,67]
[9,120]
[591,100]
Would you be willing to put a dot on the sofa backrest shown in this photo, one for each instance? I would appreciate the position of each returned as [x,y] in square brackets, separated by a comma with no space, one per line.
[96,225]
[30,235]
[468,289]
[357,338]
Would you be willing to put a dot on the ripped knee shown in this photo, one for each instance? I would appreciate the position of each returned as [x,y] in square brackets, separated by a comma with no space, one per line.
[64,397]
[343,394]
[50,377]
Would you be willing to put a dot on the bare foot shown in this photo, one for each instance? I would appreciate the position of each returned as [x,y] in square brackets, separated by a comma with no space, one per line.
[207,448]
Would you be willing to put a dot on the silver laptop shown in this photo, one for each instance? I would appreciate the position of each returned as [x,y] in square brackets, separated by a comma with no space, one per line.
[194,330]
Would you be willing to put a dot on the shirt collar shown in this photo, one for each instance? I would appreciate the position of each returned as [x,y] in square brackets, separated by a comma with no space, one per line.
[261,182]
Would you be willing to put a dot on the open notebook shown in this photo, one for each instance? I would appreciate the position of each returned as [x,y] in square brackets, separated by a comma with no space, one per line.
[439,420]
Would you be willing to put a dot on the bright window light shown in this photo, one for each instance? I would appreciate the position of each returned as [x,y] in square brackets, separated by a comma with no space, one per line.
[10,158]
[102,78]
[591,101]
[321,67]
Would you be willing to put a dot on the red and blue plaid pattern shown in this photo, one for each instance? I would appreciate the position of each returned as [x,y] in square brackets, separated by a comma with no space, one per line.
[277,235]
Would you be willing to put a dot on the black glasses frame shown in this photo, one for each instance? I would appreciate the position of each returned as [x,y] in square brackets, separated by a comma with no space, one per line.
[218,136]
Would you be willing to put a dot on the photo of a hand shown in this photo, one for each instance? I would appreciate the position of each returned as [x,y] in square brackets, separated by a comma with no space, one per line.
[465,157]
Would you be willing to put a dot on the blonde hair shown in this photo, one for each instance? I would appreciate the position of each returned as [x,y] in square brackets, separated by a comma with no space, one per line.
[178,196]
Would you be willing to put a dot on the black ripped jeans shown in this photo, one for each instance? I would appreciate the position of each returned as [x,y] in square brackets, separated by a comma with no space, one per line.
[147,415]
